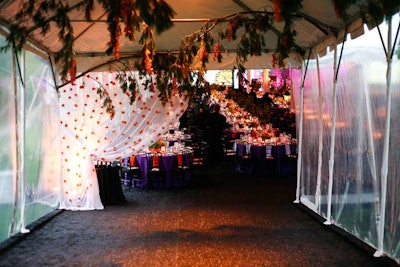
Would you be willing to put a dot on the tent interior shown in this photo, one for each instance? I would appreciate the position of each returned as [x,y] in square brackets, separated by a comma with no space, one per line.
[55,127]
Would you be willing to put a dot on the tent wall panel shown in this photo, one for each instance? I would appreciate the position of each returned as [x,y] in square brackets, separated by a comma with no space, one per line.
[42,144]
[7,144]
[40,173]
[392,226]
[358,150]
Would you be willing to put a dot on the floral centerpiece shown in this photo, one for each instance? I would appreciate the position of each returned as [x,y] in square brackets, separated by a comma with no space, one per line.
[156,146]
[253,123]
[267,135]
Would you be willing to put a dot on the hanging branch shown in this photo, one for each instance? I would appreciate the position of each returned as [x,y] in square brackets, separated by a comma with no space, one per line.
[174,73]
[39,14]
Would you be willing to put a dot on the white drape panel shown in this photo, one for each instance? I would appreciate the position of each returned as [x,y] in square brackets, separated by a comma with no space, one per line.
[88,134]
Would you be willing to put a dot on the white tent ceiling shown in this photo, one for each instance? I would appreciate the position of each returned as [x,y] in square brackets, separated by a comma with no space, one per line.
[316,25]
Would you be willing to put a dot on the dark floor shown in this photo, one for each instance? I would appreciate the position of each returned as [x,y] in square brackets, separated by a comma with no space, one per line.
[228,220]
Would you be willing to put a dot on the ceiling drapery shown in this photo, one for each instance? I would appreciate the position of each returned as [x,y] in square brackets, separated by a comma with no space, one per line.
[89,134]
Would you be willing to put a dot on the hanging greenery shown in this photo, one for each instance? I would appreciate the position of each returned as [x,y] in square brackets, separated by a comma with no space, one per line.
[248,29]
[171,73]
[137,16]
[167,73]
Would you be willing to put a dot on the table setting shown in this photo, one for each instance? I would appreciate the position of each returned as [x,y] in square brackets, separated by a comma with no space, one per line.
[259,150]
[162,159]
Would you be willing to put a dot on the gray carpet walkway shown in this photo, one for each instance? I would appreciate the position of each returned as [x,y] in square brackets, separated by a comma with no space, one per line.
[227,220]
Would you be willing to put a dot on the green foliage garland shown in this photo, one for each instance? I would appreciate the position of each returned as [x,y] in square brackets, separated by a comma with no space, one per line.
[174,73]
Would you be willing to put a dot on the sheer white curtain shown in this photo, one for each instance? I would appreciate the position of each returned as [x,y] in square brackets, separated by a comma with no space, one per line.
[7,143]
[42,145]
[29,154]
[359,122]
[360,129]
[88,134]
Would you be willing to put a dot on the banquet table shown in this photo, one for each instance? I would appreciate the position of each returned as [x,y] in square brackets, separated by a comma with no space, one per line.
[167,162]
[235,134]
[109,185]
[259,152]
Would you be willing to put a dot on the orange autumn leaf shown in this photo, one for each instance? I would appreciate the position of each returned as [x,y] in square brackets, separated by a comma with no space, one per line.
[148,62]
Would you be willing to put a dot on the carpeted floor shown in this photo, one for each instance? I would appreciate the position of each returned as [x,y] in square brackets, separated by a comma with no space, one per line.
[226,220]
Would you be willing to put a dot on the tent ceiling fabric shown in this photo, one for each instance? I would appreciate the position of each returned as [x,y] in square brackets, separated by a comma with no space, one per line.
[316,19]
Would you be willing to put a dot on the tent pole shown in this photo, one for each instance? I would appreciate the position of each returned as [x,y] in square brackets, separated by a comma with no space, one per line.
[336,67]
[17,161]
[332,148]
[20,119]
[19,105]
[318,189]
[300,137]
[385,156]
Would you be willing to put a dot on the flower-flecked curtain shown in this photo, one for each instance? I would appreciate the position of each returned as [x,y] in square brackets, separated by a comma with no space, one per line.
[90,135]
